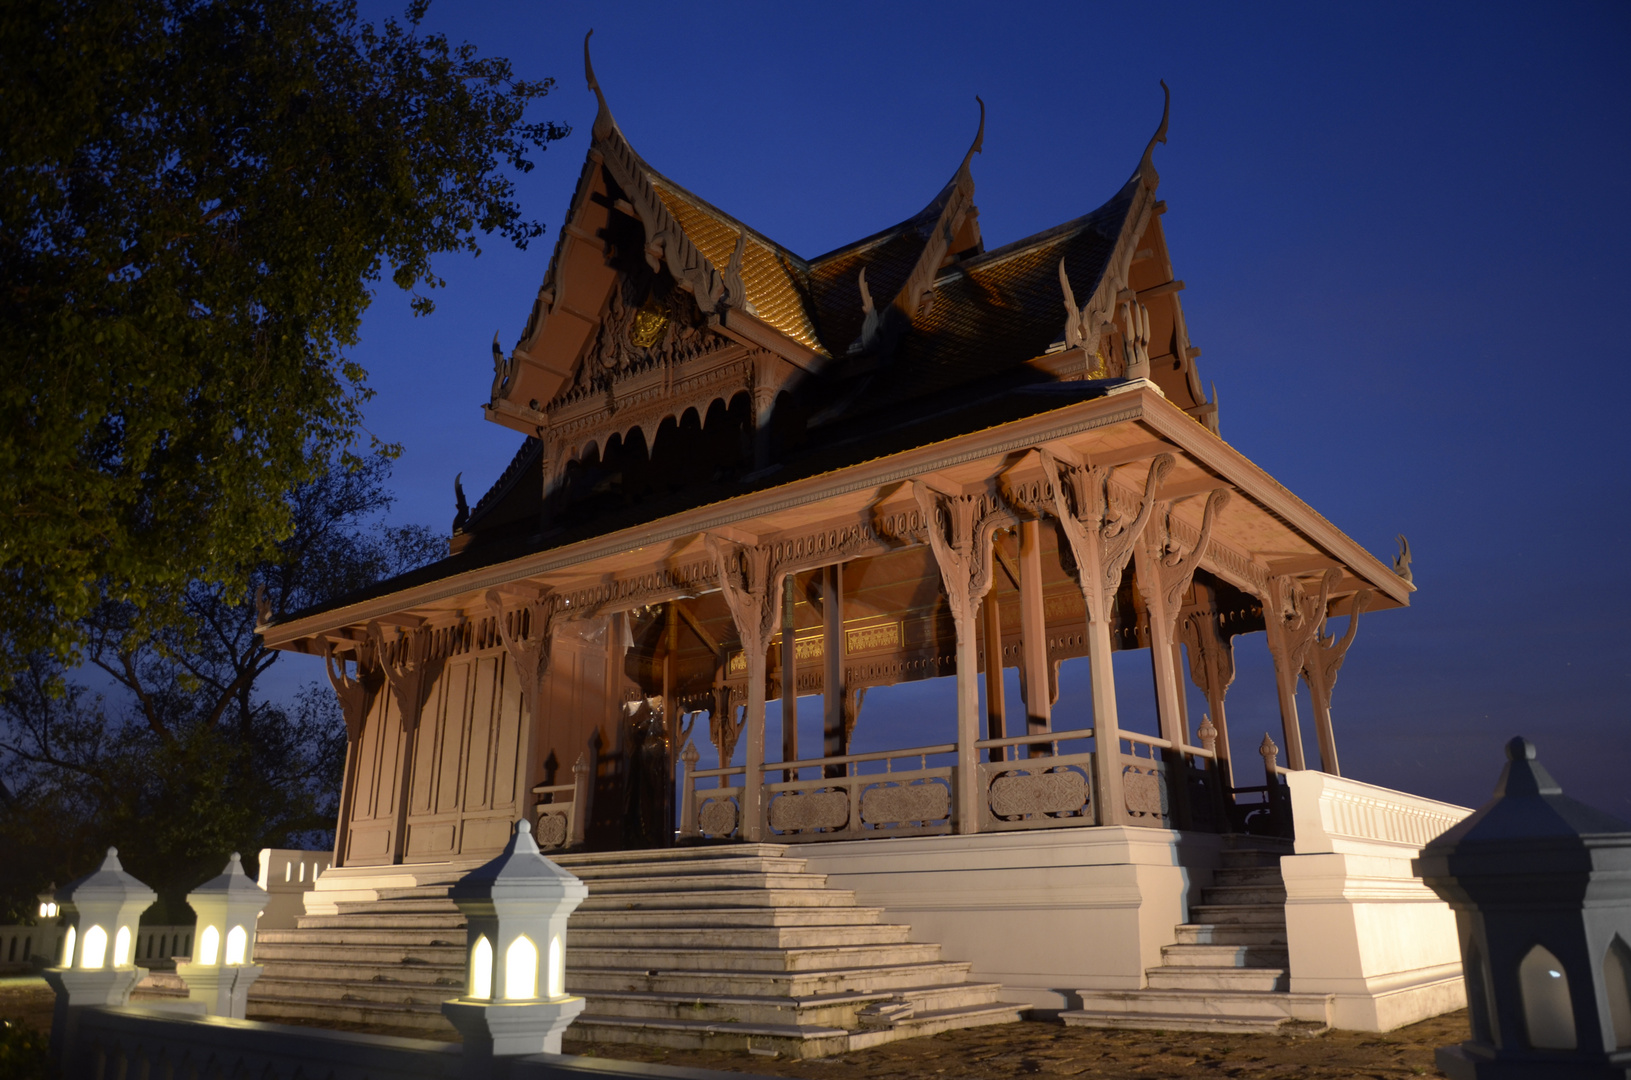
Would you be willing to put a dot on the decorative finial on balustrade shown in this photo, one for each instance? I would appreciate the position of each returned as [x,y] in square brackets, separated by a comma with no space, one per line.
[1209,735]
[691,755]
[1271,754]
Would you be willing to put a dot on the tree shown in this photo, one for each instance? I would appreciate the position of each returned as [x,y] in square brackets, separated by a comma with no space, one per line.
[196,197]
[189,759]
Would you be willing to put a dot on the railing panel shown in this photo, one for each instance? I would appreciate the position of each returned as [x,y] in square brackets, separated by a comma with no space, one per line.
[1037,793]
[915,802]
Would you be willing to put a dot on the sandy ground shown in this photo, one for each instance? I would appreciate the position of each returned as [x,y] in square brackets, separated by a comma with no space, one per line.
[1030,1048]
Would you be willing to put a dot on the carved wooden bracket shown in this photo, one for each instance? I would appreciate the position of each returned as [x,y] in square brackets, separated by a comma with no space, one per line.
[959,529]
[408,668]
[354,691]
[1173,571]
[752,589]
[1301,618]
[529,653]
[1211,655]
[1100,540]
[1324,658]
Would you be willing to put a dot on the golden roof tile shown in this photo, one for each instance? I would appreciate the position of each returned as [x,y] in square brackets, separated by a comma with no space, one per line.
[770,284]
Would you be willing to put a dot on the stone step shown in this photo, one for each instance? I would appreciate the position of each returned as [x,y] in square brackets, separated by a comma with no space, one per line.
[1243,895]
[745,917]
[787,1040]
[381,954]
[346,934]
[360,993]
[385,920]
[1242,859]
[1204,1003]
[883,978]
[745,864]
[1224,955]
[1260,876]
[1232,933]
[720,898]
[362,971]
[1196,977]
[658,939]
[667,856]
[359,908]
[827,1010]
[589,958]
[417,1019]
[1159,1021]
[703,881]
[1254,914]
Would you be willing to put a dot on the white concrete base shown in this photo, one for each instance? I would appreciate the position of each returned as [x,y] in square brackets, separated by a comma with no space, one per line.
[223,989]
[1360,925]
[1045,913]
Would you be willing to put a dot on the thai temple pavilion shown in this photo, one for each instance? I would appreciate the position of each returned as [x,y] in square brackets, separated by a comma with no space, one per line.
[744,476]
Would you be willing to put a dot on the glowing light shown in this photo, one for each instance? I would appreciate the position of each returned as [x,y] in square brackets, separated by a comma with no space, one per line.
[121,947]
[557,968]
[237,945]
[209,945]
[68,948]
[481,969]
[96,948]
[521,969]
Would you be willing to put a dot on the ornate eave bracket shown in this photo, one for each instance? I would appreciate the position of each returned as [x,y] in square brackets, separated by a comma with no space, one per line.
[1101,541]
[352,689]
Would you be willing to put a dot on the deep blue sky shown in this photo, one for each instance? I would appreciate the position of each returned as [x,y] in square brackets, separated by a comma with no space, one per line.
[1402,228]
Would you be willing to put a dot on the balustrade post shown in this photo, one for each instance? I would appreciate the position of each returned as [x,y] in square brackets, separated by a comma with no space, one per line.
[582,788]
[688,791]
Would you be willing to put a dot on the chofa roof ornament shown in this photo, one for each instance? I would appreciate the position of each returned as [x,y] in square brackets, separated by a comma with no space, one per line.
[1146,165]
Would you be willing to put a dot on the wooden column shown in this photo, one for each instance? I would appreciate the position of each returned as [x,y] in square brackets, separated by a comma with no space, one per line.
[835,731]
[991,635]
[408,671]
[528,634]
[1101,546]
[790,692]
[355,695]
[1292,620]
[752,591]
[1033,634]
[959,528]
[1320,669]
[1211,668]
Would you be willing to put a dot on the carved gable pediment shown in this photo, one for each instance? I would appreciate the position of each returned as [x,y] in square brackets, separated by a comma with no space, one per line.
[648,322]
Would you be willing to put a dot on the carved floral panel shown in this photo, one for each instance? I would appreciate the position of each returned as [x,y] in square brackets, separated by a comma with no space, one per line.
[899,804]
[717,817]
[553,827]
[1144,792]
[1018,795]
[810,810]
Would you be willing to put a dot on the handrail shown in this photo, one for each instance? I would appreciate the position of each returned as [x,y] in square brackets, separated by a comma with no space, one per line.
[1038,737]
[845,759]
[730,770]
[553,789]
[1147,740]
[1199,751]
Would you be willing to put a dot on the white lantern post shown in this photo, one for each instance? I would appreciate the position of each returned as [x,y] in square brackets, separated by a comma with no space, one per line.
[515,998]
[221,973]
[102,910]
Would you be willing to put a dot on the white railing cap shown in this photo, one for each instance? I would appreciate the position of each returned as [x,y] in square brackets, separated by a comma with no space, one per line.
[1335,814]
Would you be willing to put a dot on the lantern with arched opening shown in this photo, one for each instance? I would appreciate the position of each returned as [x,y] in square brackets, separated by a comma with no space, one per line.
[102,911]
[1537,881]
[515,998]
[220,973]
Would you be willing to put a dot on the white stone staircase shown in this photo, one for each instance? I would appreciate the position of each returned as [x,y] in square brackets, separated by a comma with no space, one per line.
[1227,971]
[720,947]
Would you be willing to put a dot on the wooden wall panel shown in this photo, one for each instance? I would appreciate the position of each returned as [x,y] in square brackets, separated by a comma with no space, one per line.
[455,682]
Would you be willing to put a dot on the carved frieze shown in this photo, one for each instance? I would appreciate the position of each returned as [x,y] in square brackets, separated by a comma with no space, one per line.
[1143,792]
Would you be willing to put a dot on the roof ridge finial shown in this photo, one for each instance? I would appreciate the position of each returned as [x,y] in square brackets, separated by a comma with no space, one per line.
[605,114]
[1146,166]
[978,146]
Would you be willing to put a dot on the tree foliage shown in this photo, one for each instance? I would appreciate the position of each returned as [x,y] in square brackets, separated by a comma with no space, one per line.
[185,757]
[196,197]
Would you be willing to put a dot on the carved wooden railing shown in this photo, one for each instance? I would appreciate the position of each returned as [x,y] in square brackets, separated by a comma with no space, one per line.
[563,809]
[1045,792]
[861,804]
[1265,809]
